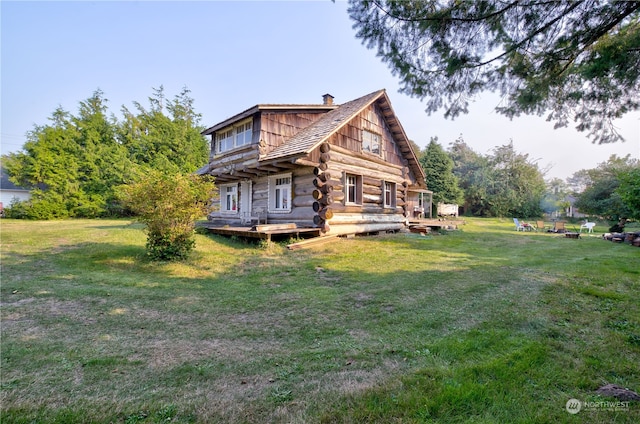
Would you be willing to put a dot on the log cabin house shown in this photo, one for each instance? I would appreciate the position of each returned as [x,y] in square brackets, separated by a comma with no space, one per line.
[342,169]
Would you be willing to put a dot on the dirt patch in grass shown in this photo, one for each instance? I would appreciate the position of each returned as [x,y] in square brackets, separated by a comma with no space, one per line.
[353,380]
[171,352]
[31,315]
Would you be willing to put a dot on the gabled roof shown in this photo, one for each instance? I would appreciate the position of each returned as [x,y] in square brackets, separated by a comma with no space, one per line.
[308,138]
[315,134]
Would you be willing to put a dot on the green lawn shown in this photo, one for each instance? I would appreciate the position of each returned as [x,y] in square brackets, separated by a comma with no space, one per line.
[481,325]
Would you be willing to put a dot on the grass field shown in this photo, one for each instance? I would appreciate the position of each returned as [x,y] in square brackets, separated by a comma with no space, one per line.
[481,325]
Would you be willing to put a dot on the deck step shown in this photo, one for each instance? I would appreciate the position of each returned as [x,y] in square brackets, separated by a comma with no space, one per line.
[311,242]
[274,227]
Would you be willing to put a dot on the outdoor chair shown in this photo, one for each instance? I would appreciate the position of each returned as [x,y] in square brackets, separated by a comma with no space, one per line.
[588,226]
[418,212]
[539,225]
[519,226]
[262,214]
[258,216]
[558,227]
[246,218]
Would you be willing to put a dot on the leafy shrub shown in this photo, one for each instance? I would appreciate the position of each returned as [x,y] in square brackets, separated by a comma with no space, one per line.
[47,209]
[87,206]
[169,205]
[17,209]
[174,245]
[46,206]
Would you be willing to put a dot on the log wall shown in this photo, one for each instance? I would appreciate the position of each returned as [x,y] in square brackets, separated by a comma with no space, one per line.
[301,197]
[333,214]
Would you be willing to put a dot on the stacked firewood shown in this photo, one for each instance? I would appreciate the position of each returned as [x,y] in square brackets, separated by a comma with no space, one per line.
[630,238]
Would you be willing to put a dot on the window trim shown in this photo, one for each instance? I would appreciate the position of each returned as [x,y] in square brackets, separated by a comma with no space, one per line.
[357,185]
[245,129]
[390,188]
[224,137]
[273,193]
[231,136]
[224,199]
[373,137]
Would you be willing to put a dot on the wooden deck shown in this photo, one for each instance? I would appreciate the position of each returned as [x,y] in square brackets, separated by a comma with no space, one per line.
[264,232]
[283,231]
[423,225]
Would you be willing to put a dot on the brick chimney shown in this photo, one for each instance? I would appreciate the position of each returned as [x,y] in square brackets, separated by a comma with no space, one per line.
[327,99]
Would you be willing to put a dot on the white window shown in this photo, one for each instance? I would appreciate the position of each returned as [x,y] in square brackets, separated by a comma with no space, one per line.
[229,198]
[237,135]
[243,134]
[353,189]
[280,193]
[389,193]
[371,142]
[225,141]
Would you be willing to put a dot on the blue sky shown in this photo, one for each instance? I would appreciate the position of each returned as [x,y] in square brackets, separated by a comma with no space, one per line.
[233,55]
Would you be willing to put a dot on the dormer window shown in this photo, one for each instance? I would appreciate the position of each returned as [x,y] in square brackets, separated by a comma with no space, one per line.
[234,136]
[225,140]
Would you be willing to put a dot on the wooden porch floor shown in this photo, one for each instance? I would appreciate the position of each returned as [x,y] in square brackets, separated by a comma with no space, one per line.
[264,232]
[436,224]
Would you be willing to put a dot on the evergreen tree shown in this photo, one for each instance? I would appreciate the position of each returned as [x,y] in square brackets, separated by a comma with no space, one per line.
[518,185]
[438,168]
[48,165]
[474,176]
[576,60]
[104,163]
[629,191]
[417,150]
[74,163]
[166,136]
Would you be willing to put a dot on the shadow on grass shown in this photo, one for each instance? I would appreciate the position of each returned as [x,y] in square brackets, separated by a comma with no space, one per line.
[382,329]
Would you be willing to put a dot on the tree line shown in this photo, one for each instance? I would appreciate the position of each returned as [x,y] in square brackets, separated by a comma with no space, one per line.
[506,183]
[74,164]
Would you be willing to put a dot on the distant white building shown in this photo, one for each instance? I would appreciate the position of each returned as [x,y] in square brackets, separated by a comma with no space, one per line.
[571,211]
[447,209]
[9,191]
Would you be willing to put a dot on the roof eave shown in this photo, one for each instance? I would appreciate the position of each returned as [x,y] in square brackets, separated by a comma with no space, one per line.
[401,135]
